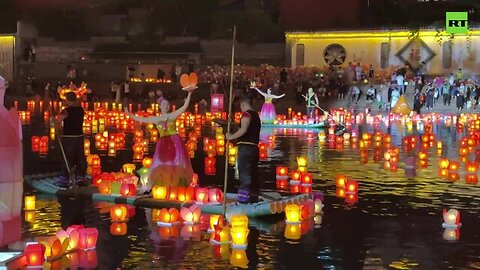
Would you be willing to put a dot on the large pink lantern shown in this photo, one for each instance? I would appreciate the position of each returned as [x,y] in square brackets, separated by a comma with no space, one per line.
[216,104]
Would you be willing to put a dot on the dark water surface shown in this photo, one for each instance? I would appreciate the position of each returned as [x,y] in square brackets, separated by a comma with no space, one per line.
[396,224]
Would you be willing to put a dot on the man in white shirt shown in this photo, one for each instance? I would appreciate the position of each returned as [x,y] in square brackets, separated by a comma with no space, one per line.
[400,83]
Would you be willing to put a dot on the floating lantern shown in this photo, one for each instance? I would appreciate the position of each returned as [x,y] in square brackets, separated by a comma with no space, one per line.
[471,179]
[128,189]
[118,228]
[210,162]
[35,255]
[147,162]
[216,104]
[281,172]
[293,231]
[351,186]
[295,177]
[351,199]
[88,238]
[159,192]
[215,195]
[215,220]
[185,194]
[119,213]
[95,161]
[190,215]
[307,209]
[221,235]
[168,218]
[307,179]
[292,213]
[340,181]
[201,195]
[463,151]
[451,219]
[443,163]
[104,187]
[443,173]
[301,161]
[239,258]
[172,193]
[239,237]
[472,167]
[53,247]
[128,168]
[453,166]
[239,221]
[422,155]
[29,202]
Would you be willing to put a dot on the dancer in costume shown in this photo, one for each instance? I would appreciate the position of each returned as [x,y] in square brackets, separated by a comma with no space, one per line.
[171,164]
[267,114]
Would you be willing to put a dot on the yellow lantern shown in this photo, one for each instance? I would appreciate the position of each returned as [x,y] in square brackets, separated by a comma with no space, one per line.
[292,213]
[239,237]
[119,213]
[301,161]
[221,235]
[159,192]
[232,151]
[30,216]
[239,221]
[293,231]
[215,220]
[239,258]
[30,202]
[128,168]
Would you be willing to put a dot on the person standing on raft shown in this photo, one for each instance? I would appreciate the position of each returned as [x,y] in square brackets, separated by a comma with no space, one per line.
[268,113]
[248,136]
[171,164]
[312,102]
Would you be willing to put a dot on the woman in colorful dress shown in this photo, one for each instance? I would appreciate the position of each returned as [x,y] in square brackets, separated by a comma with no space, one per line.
[171,164]
[268,113]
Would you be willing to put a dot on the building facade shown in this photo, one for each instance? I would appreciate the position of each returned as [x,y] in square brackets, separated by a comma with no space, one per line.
[384,49]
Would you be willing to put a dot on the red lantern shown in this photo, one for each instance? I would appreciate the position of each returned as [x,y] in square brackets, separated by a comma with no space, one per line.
[443,173]
[210,162]
[118,228]
[443,163]
[463,151]
[453,166]
[351,199]
[453,176]
[295,176]
[340,193]
[472,167]
[294,188]
[210,170]
[422,155]
[201,195]
[282,183]
[172,193]
[281,172]
[128,190]
[307,179]
[471,179]
[351,186]
[423,163]
[35,255]
[119,213]
[185,194]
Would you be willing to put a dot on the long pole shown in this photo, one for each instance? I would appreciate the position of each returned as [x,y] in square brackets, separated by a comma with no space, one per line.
[230,100]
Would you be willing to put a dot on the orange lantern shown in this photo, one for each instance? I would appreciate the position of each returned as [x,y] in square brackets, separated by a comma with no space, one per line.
[453,166]
[168,217]
[201,195]
[172,193]
[443,173]
[453,176]
[119,213]
[118,228]
[185,194]
[340,193]
[160,193]
[147,162]
[351,199]
[423,163]
[210,161]
[472,167]
[95,161]
[422,155]
[471,179]
[351,186]
[104,187]
[443,163]
[340,181]
[128,189]
[463,151]
[190,215]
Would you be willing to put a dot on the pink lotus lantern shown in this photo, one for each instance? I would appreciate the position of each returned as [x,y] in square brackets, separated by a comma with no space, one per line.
[190,215]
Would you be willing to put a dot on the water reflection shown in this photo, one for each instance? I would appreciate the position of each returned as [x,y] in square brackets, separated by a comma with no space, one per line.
[395,221]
